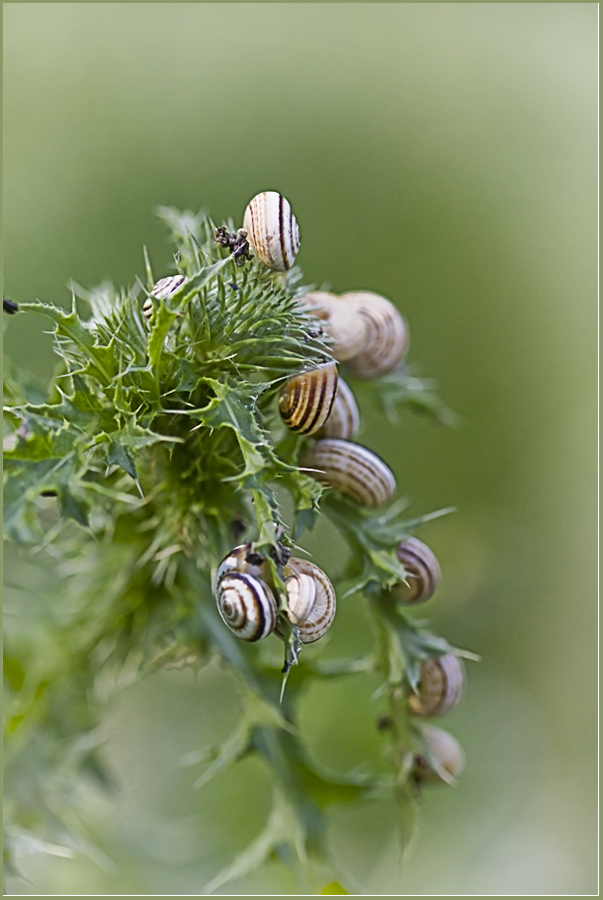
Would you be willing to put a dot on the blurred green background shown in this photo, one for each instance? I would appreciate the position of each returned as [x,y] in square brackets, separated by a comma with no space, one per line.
[444,155]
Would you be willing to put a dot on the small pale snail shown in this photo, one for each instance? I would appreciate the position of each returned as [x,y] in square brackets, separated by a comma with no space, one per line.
[306,400]
[165,287]
[447,756]
[247,605]
[351,469]
[440,686]
[341,321]
[423,571]
[344,420]
[386,334]
[272,230]
[310,599]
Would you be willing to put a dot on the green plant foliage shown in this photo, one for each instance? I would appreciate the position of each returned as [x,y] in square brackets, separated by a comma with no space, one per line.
[154,448]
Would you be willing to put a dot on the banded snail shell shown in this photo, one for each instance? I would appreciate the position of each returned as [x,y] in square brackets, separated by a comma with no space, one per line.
[242,559]
[310,599]
[386,334]
[351,469]
[306,400]
[344,420]
[165,287]
[344,324]
[247,606]
[440,686]
[447,757]
[422,568]
[272,230]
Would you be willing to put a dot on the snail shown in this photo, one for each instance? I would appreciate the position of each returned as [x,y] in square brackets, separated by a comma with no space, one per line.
[344,420]
[386,334]
[272,230]
[447,760]
[306,400]
[247,605]
[351,469]
[310,599]
[344,324]
[423,571]
[440,686]
[165,287]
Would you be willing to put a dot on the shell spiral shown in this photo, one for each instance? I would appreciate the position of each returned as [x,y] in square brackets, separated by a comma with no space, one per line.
[165,287]
[423,571]
[386,334]
[440,686]
[247,605]
[272,230]
[352,469]
[306,400]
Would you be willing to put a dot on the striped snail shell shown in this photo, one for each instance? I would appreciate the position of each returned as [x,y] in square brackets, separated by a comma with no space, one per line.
[440,686]
[247,606]
[310,599]
[165,287]
[272,230]
[422,568]
[351,469]
[386,334]
[341,321]
[242,559]
[447,759]
[344,420]
[306,400]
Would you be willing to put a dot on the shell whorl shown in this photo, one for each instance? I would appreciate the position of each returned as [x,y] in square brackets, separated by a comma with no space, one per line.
[272,230]
[440,686]
[386,334]
[307,399]
[352,469]
[344,420]
[246,605]
[310,598]
[343,323]
[165,287]
[422,568]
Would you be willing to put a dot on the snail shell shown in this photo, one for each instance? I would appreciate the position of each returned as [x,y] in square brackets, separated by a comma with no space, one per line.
[386,334]
[344,420]
[272,230]
[447,754]
[306,400]
[242,559]
[351,469]
[344,324]
[440,686]
[422,568]
[246,605]
[165,287]
[310,599]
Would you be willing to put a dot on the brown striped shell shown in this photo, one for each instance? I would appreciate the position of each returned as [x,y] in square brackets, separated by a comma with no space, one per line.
[272,230]
[440,686]
[165,287]
[341,321]
[423,571]
[306,400]
[351,469]
[310,599]
[344,420]
[443,761]
[247,605]
[386,334]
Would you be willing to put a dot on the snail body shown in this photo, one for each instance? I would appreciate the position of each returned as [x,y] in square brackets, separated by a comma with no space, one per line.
[447,761]
[351,469]
[440,686]
[344,420]
[343,323]
[306,400]
[165,287]
[247,605]
[387,336]
[272,230]
[422,568]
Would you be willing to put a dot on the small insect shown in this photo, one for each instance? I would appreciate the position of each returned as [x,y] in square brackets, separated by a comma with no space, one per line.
[9,306]
[235,241]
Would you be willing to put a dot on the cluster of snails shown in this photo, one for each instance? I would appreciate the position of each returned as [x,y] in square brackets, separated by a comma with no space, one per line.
[248,606]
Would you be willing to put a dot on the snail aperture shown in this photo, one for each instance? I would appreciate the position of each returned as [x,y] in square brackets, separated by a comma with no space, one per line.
[272,230]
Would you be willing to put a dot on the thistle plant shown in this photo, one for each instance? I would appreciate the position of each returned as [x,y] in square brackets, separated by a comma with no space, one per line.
[157,449]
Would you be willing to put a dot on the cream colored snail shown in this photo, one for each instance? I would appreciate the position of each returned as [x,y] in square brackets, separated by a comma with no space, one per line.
[165,287]
[447,759]
[306,400]
[344,324]
[423,571]
[386,341]
[310,599]
[247,605]
[344,420]
[351,469]
[440,686]
[272,230]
